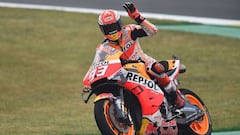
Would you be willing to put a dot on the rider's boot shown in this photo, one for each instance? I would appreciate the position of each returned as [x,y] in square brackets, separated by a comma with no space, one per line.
[178,104]
[174,96]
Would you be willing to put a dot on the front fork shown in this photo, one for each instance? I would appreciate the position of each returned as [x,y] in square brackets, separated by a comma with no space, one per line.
[122,113]
[119,105]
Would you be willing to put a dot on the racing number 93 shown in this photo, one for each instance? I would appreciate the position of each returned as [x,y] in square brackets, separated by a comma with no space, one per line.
[98,71]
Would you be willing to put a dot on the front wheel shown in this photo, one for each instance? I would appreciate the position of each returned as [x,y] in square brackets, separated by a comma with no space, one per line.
[201,126]
[104,111]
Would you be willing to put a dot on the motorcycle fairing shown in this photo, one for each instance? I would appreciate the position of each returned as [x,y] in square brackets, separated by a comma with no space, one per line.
[173,69]
[105,63]
[137,67]
[155,128]
[148,128]
[149,98]
[138,82]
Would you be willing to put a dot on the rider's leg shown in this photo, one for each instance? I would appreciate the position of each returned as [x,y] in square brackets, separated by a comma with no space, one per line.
[173,95]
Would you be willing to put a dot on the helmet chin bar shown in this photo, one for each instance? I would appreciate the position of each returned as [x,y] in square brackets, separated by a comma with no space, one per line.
[115,36]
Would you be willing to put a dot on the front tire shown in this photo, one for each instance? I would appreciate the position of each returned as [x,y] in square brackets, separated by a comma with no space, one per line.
[198,127]
[104,112]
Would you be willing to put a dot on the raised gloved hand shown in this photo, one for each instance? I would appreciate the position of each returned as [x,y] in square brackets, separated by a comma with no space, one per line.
[131,10]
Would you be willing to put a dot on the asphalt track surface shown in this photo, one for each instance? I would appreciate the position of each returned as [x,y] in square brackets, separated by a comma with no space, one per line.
[225,9]
[228,9]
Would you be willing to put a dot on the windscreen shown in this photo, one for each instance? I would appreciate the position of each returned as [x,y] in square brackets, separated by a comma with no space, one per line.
[104,54]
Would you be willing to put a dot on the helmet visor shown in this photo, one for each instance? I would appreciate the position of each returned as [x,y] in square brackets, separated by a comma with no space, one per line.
[111,28]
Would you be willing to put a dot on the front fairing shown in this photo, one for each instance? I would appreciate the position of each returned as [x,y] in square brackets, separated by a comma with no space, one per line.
[106,62]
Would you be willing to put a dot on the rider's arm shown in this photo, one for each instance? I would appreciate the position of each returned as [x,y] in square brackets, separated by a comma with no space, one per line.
[147,28]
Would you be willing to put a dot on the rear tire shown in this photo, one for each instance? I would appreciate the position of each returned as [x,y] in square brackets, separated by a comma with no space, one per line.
[197,127]
[107,122]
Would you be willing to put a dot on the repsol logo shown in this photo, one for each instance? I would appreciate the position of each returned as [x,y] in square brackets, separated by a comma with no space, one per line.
[141,80]
[128,45]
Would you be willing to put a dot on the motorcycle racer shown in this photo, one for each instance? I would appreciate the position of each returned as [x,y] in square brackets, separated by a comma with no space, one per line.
[125,38]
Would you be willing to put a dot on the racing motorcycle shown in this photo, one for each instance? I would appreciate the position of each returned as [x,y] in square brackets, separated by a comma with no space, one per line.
[128,101]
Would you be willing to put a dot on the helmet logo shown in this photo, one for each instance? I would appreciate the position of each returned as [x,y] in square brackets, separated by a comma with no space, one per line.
[108,17]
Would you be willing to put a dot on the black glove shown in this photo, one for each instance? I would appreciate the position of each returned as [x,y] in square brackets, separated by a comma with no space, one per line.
[131,10]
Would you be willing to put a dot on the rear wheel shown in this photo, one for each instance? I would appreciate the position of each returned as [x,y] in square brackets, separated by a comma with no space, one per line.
[202,126]
[104,111]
